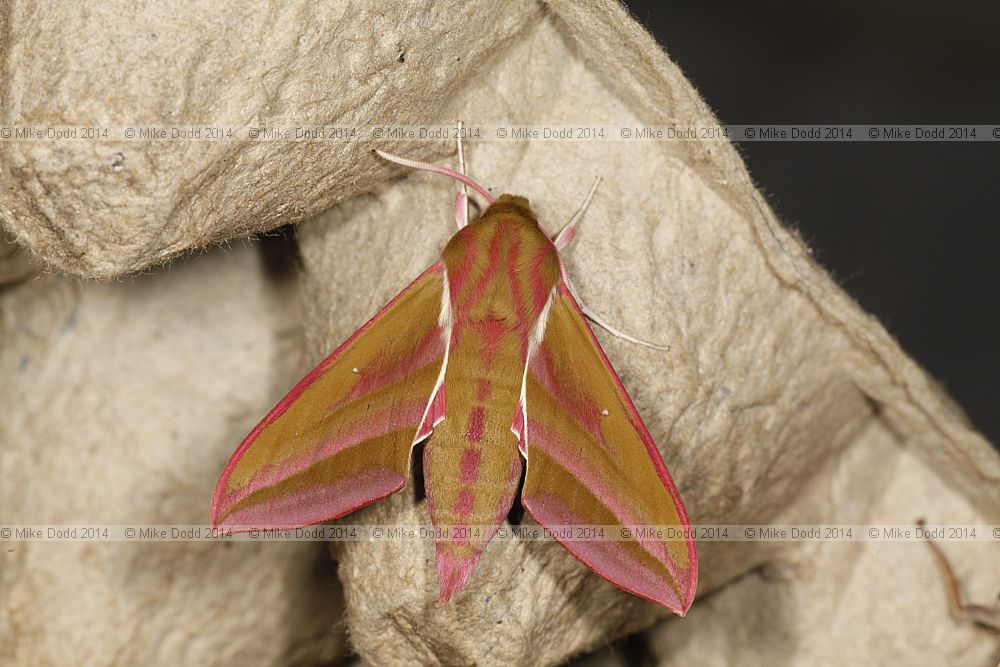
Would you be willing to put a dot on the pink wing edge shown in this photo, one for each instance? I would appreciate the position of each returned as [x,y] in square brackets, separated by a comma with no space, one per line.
[291,397]
[690,585]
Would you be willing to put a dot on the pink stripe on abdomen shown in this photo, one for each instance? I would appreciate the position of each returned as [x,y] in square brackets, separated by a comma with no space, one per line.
[483,390]
[469,465]
[476,424]
[465,503]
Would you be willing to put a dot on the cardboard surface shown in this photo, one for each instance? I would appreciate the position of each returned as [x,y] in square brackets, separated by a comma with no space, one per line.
[119,405]
[101,209]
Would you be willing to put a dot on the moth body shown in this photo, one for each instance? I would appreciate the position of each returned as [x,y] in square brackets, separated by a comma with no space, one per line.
[500,271]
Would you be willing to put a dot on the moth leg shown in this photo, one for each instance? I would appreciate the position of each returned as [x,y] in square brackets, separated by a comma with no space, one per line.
[569,231]
[462,198]
[596,319]
[561,241]
[461,209]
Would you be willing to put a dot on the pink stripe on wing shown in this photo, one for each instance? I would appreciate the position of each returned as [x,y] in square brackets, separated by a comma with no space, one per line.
[317,503]
[581,408]
[297,391]
[608,558]
[640,427]
[563,452]
[385,371]
[371,426]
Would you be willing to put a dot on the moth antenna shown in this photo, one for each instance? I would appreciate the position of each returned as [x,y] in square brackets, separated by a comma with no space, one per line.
[567,233]
[426,166]
[596,319]
[464,192]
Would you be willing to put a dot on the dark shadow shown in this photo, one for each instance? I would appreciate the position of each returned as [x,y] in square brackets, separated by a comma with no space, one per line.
[279,251]
[417,470]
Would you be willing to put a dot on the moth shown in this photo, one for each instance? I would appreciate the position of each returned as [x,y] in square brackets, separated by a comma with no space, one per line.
[488,358]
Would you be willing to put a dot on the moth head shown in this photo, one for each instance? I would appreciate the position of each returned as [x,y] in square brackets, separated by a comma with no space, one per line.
[512,205]
[515,200]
